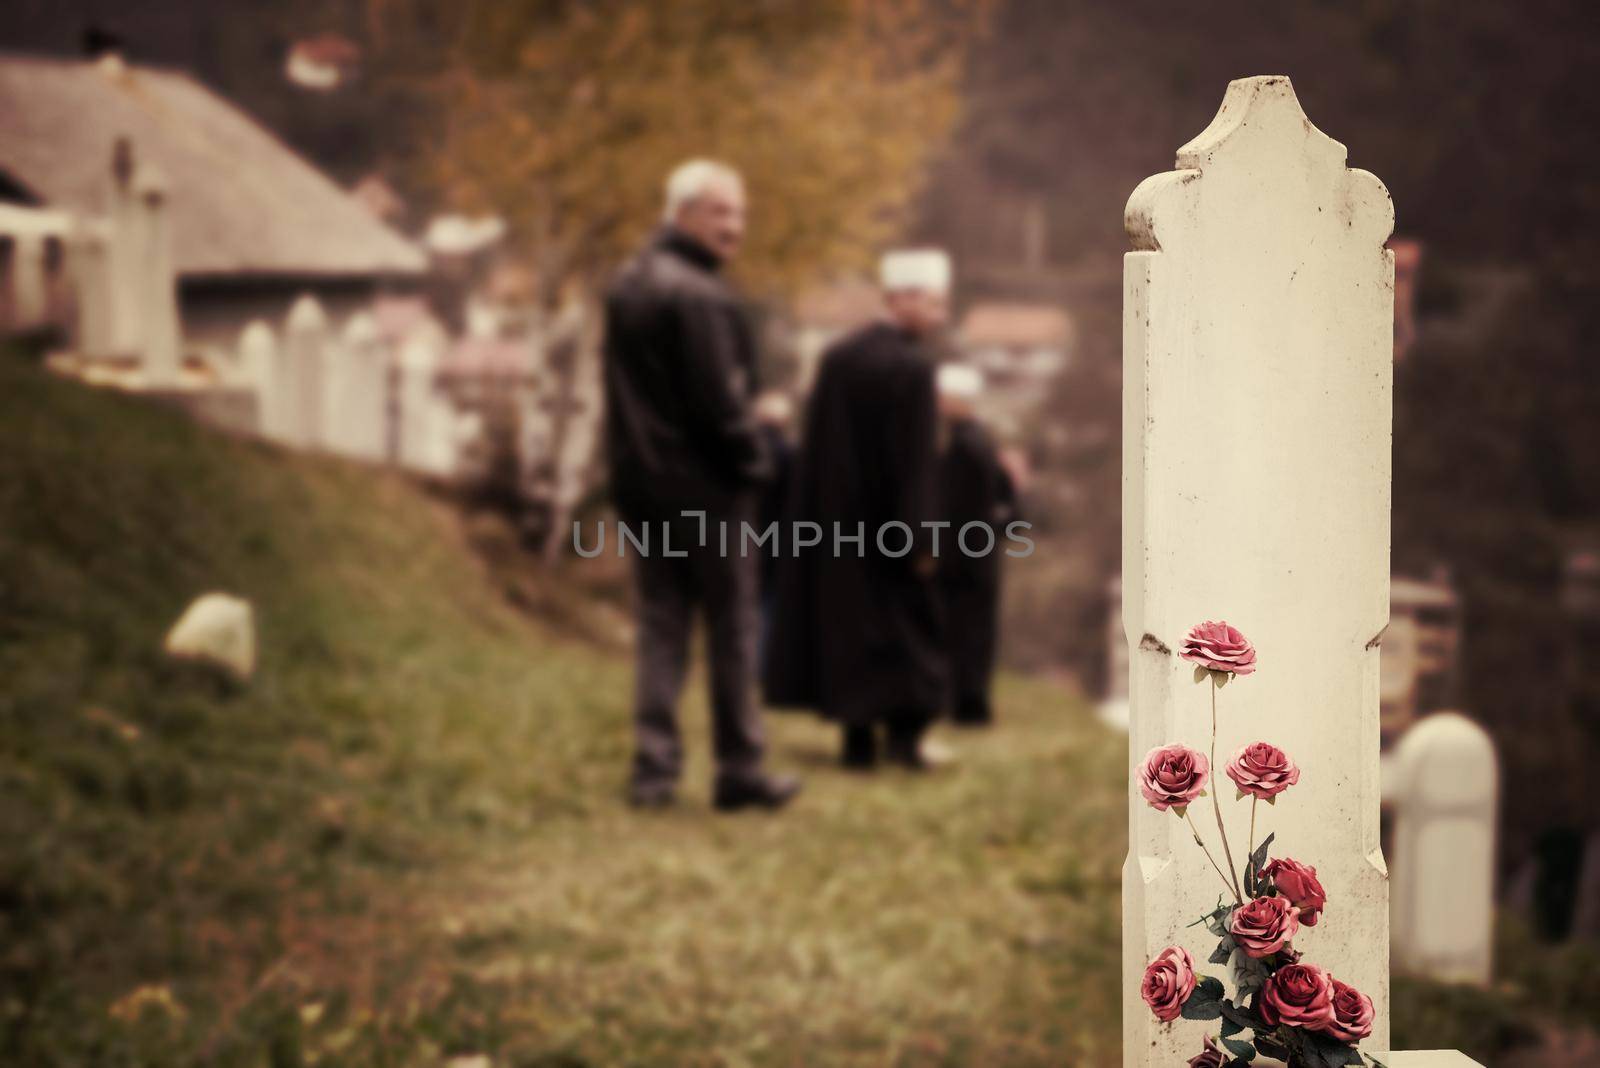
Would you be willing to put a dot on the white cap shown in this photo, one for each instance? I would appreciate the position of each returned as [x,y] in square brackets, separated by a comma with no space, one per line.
[916,268]
[960,380]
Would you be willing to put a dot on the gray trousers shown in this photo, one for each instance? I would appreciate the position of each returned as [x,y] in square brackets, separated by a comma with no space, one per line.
[671,591]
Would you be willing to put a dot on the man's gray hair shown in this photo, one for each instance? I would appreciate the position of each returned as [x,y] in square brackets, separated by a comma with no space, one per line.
[689,180]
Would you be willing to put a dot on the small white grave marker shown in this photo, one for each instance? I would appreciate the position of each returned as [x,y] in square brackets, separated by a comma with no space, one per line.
[259,368]
[1444,789]
[357,416]
[304,366]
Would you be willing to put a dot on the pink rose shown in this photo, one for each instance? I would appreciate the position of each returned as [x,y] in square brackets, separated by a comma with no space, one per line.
[1298,882]
[1352,1014]
[1263,770]
[1168,982]
[1219,647]
[1300,995]
[1173,775]
[1208,1057]
[1264,926]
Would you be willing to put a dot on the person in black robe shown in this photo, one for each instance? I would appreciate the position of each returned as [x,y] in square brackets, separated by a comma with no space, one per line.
[857,633]
[978,492]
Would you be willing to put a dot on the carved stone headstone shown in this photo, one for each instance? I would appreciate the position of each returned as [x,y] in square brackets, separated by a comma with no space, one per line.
[304,367]
[418,406]
[258,366]
[357,414]
[1257,338]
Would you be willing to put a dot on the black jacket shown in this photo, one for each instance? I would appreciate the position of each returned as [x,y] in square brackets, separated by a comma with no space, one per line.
[680,373]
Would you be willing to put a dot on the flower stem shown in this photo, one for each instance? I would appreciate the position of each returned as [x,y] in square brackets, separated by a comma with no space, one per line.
[1199,842]
[1253,801]
[1216,805]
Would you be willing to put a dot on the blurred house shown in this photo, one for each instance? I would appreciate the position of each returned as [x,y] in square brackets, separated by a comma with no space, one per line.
[252,225]
[825,314]
[1019,347]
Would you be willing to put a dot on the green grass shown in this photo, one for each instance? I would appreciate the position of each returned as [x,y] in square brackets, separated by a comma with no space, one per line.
[404,841]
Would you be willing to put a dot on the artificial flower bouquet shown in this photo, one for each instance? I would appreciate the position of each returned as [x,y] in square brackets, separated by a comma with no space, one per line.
[1291,1008]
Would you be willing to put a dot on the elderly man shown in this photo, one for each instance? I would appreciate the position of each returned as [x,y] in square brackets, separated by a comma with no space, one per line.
[680,374]
[857,630]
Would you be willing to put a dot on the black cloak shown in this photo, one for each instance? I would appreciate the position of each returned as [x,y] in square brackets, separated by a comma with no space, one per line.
[856,631]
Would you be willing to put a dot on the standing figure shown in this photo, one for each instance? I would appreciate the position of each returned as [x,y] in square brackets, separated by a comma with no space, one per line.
[680,374]
[978,493]
[856,634]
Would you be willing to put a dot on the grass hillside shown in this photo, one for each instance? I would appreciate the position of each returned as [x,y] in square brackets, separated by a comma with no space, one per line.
[403,841]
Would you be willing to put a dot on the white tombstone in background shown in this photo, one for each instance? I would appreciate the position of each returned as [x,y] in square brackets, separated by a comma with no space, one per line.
[304,366]
[421,354]
[89,263]
[357,415]
[1257,360]
[160,339]
[260,370]
[1443,788]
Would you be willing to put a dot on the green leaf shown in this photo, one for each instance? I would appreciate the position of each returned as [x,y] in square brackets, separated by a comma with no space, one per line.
[1230,1026]
[1257,861]
[1179,810]
[1223,951]
[1247,973]
[1206,1001]
[1221,678]
[1324,1051]
[1241,1017]
[1200,673]
[1273,800]
[1242,1050]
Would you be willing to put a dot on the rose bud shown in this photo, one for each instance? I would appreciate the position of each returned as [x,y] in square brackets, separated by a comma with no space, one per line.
[1172,776]
[1352,1014]
[1168,982]
[1264,925]
[1219,647]
[1300,995]
[1298,882]
[1262,770]
[1208,1057]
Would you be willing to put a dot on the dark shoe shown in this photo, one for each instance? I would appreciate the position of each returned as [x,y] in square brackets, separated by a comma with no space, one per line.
[651,794]
[973,713]
[761,791]
[859,751]
[904,748]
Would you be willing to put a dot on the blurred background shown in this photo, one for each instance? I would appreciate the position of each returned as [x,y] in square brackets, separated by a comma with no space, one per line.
[332,270]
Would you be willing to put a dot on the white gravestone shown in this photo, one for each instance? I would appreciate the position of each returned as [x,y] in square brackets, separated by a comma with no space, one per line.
[1443,788]
[304,372]
[160,337]
[357,415]
[260,370]
[1257,362]
[418,408]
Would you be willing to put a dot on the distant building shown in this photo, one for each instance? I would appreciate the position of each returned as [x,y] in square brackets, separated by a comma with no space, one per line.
[1019,347]
[252,225]
[825,314]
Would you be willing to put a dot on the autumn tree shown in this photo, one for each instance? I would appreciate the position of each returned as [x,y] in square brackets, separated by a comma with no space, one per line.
[564,116]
